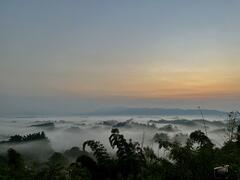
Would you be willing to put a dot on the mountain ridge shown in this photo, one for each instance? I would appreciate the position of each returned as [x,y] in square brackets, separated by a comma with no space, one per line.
[156,111]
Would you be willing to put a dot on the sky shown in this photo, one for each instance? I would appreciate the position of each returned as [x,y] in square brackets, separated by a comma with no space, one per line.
[78,56]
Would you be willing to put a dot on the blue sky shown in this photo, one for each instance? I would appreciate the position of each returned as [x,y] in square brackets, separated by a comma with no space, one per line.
[86,55]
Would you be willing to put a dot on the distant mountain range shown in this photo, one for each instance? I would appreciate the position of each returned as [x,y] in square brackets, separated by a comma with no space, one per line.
[156,111]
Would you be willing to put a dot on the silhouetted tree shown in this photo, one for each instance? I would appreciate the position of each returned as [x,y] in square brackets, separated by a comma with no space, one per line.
[16,165]
[130,155]
[104,163]
[200,138]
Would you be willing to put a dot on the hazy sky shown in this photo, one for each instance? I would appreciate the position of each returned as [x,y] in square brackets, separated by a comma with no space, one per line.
[76,56]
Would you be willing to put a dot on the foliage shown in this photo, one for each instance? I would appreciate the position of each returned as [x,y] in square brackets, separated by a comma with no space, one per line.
[26,138]
[99,151]
[194,160]
[200,138]
[233,124]
[57,160]
[130,155]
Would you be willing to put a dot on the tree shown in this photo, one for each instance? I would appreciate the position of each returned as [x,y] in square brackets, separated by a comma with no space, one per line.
[200,138]
[233,123]
[77,172]
[99,151]
[130,155]
[16,165]
[104,164]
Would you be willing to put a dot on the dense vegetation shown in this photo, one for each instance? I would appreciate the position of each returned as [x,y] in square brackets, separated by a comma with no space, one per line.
[29,137]
[193,160]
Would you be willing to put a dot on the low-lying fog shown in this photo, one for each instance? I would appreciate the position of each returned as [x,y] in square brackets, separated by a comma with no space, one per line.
[66,132]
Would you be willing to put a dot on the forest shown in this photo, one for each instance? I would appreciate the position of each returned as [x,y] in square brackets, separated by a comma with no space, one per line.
[29,137]
[197,159]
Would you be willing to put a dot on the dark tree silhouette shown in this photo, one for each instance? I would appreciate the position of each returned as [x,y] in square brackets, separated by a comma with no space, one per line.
[200,138]
[130,155]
